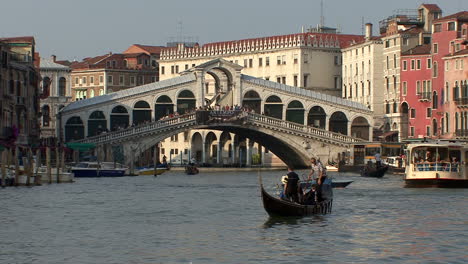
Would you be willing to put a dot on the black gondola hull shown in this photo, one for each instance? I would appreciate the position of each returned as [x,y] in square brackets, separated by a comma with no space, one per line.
[374,173]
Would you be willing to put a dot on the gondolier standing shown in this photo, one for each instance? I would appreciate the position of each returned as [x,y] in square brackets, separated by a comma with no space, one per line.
[321,175]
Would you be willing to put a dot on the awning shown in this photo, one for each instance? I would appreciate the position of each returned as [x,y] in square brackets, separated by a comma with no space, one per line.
[81,146]
[387,134]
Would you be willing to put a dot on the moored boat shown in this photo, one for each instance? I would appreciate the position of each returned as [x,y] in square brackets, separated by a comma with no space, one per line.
[276,206]
[99,169]
[151,171]
[437,164]
[191,169]
[374,172]
[334,184]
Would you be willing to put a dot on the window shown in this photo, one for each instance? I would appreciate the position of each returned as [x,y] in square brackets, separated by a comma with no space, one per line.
[428,131]
[132,80]
[451,26]
[412,131]
[91,80]
[413,113]
[76,80]
[387,63]
[437,27]
[405,65]
[336,60]
[278,79]
[153,78]
[260,62]
[295,80]
[278,60]
[387,44]
[250,63]
[186,66]
[394,61]
[405,41]
[428,112]
[418,64]
[110,79]
[435,71]
[429,63]
[337,84]
[121,80]
[245,63]
[305,80]
[267,61]
[163,151]
[295,58]
[284,79]
[172,69]
[405,88]
[85,81]
[177,68]
[418,87]
[435,48]
[162,69]
[267,78]
[306,58]
[284,59]
[101,78]
[412,65]
[177,151]
[193,64]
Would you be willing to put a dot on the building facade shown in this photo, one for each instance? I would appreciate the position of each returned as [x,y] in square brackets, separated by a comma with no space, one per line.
[110,73]
[19,104]
[55,94]
[362,74]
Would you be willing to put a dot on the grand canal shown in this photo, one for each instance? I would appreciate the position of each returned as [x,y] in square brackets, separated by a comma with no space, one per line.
[218,218]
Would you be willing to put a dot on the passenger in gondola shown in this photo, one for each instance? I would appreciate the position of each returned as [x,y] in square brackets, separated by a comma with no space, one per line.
[292,186]
[310,197]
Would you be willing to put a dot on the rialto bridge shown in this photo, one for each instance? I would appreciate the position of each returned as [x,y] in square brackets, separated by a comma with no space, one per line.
[292,122]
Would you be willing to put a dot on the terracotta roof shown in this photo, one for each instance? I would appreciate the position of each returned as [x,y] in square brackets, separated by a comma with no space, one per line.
[458,53]
[28,39]
[460,16]
[431,7]
[132,55]
[373,38]
[148,48]
[418,50]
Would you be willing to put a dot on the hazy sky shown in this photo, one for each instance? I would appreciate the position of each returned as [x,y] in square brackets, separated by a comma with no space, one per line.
[74,29]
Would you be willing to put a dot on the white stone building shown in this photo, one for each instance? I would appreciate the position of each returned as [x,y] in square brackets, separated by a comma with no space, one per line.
[56,93]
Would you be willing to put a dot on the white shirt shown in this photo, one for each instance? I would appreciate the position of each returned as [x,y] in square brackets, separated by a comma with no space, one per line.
[377,156]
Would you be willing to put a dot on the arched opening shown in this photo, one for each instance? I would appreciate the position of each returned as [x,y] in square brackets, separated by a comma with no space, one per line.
[62,89]
[185,102]
[225,149]
[163,107]
[45,87]
[74,129]
[274,107]
[404,108]
[338,123]
[360,128]
[141,113]
[435,100]
[97,123]
[295,112]
[435,130]
[211,148]
[196,150]
[252,101]
[317,117]
[119,118]
[45,116]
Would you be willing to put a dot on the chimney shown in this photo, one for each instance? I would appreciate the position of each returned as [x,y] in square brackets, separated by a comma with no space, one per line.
[368,31]
[53,58]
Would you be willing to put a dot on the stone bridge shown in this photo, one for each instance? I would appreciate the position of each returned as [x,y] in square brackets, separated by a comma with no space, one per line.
[291,121]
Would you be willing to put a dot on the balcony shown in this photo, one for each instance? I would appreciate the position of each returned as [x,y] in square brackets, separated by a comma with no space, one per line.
[425,97]
[461,101]
[461,133]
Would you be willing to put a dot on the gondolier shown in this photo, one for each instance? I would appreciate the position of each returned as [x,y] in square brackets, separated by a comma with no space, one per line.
[317,166]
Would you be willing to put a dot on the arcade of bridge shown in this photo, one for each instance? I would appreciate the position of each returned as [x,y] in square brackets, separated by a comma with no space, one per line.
[153,101]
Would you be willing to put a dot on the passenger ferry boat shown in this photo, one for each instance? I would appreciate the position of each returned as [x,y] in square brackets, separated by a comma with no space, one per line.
[99,169]
[437,164]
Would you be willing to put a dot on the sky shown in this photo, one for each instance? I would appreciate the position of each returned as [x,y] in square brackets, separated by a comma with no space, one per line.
[75,29]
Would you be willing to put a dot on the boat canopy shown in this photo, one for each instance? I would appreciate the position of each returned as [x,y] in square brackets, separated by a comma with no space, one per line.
[81,146]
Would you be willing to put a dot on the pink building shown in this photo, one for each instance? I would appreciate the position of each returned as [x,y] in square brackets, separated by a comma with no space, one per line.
[417,97]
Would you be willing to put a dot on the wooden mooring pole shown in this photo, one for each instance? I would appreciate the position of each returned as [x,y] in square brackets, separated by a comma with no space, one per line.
[49,172]
[4,162]
[16,157]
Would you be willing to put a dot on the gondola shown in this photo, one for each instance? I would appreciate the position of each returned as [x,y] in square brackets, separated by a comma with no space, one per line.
[334,184]
[374,172]
[191,170]
[278,207]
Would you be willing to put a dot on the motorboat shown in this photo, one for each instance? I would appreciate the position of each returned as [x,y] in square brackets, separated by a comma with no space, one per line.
[98,169]
[437,164]
[151,171]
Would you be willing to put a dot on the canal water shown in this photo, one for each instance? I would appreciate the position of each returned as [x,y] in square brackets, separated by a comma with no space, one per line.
[219,218]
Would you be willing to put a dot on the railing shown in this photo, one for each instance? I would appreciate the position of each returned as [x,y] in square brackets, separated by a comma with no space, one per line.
[461,101]
[138,130]
[436,166]
[252,118]
[256,118]
[425,96]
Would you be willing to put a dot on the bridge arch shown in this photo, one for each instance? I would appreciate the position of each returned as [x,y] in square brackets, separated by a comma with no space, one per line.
[225,148]
[97,123]
[274,107]
[197,147]
[252,100]
[74,129]
[141,112]
[119,118]
[163,107]
[295,112]
[185,101]
[360,128]
[338,123]
[211,147]
[317,117]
